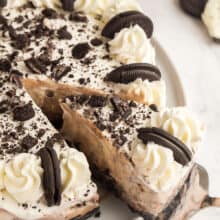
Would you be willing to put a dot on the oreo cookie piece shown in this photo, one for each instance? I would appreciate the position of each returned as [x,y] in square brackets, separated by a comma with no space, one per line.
[97,101]
[193,7]
[80,50]
[51,176]
[49,13]
[3,3]
[60,71]
[181,152]
[21,41]
[35,65]
[129,73]
[68,5]
[23,113]
[78,17]
[28,142]
[64,34]
[154,108]
[125,20]
[5,65]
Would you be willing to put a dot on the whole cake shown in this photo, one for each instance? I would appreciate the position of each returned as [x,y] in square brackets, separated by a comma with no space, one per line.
[90,67]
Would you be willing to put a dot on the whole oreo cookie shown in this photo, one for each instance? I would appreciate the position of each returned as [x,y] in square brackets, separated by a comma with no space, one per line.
[193,7]
[125,20]
[129,73]
[180,151]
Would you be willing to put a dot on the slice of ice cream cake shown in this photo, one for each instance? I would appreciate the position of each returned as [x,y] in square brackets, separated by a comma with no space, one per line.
[40,176]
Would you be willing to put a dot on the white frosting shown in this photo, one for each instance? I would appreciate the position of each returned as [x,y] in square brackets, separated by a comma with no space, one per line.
[15,3]
[46,3]
[149,92]
[181,123]
[158,166]
[75,172]
[131,45]
[119,6]
[211,18]
[22,178]
[36,3]
[95,7]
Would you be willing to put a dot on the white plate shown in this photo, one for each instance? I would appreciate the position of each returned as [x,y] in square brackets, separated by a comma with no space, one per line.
[111,207]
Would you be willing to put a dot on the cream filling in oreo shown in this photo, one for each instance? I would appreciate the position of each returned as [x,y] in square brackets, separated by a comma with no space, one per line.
[131,45]
[180,123]
[211,18]
[157,165]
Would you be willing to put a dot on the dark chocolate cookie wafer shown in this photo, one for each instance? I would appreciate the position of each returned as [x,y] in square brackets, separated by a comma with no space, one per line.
[193,7]
[129,73]
[125,20]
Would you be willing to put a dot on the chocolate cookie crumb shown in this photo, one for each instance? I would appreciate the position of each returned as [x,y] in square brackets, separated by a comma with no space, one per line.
[64,34]
[49,13]
[96,42]
[28,142]
[80,50]
[78,17]
[23,113]
[5,65]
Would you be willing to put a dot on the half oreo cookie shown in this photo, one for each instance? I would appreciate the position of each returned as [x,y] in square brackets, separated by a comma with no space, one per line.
[125,20]
[129,73]
[181,152]
[51,176]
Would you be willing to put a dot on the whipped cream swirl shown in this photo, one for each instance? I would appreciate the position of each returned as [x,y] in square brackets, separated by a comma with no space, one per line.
[180,123]
[22,178]
[94,7]
[145,91]
[131,45]
[36,3]
[75,172]
[211,18]
[119,6]
[157,165]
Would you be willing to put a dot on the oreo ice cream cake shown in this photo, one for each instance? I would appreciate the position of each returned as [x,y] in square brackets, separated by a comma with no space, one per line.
[91,62]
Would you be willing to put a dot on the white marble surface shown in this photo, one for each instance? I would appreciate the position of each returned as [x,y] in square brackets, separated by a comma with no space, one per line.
[197,59]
